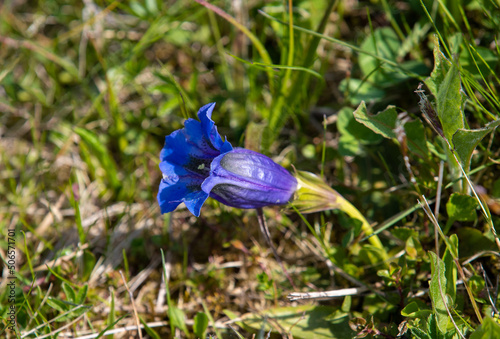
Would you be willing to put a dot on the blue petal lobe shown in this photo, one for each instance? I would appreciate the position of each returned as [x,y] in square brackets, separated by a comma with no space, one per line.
[186,161]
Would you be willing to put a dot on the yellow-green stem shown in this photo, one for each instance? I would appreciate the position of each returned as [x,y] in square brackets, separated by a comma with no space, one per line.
[353,212]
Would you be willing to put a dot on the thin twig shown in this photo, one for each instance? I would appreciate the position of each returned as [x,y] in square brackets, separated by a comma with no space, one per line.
[136,316]
[265,231]
[327,294]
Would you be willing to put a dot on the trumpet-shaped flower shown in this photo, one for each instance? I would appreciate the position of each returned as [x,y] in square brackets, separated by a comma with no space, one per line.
[196,164]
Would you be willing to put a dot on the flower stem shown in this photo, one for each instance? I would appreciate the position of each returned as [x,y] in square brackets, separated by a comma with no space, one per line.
[353,212]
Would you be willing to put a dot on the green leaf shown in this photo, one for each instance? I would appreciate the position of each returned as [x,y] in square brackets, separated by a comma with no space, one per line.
[449,103]
[441,67]
[152,333]
[384,43]
[461,207]
[416,309]
[347,125]
[200,324]
[490,328]
[69,292]
[82,294]
[63,307]
[416,141]
[473,241]
[382,123]
[349,146]
[437,291]
[357,90]
[101,152]
[177,318]
[465,141]
[305,321]
[451,268]
[89,262]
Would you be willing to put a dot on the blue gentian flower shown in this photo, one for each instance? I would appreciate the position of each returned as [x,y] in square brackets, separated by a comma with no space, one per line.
[196,163]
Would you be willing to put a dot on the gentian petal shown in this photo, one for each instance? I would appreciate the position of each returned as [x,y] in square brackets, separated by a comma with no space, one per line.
[247,179]
[185,162]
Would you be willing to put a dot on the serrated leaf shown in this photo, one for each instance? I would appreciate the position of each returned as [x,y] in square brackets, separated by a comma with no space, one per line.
[416,141]
[441,67]
[383,123]
[305,321]
[419,334]
[449,103]
[461,207]
[465,141]
[437,292]
[200,324]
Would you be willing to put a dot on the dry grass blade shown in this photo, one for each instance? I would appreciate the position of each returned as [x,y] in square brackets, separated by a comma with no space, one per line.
[136,316]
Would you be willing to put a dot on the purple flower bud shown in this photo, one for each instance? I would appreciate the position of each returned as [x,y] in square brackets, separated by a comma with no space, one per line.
[196,164]
[247,179]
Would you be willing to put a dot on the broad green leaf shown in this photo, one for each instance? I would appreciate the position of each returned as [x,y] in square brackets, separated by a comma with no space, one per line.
[384,43]
[461,207]
[465,141]
[449,103]
[382,123]
[347,125]
[490,328]
[200,324]
[437,291]
[451,268]
[349,146]
[473,241]
[416,141]
[177,318]
[305,321]
[101,153]
[358,91]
